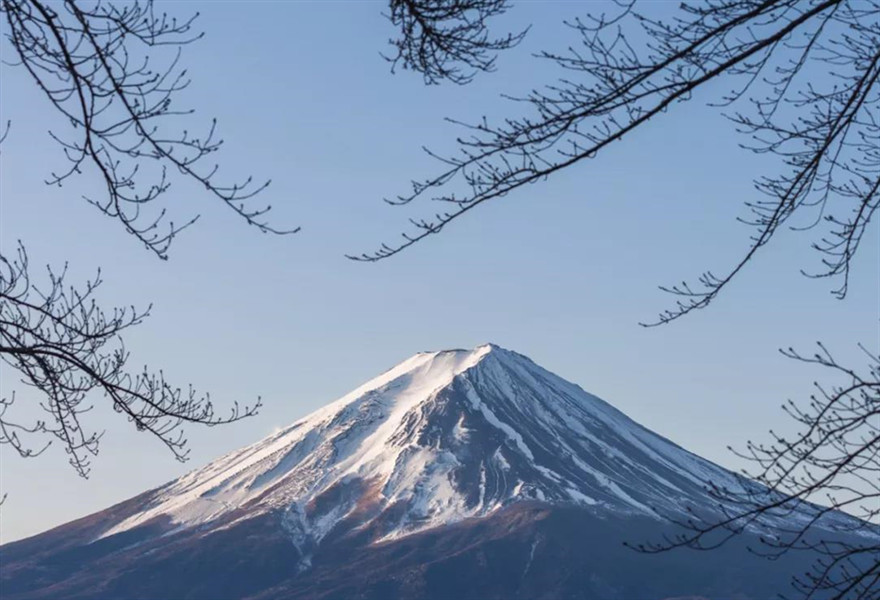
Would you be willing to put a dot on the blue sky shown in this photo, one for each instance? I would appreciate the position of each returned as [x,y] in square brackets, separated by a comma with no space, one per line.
[561,271]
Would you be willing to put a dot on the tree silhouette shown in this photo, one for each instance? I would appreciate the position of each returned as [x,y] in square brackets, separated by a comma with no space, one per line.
[111,70]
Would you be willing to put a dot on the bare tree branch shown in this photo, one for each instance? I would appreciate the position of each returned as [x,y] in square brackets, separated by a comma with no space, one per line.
[804,77]
[833,458]
[447,39]
[111,70]
[66,347]
[98,64]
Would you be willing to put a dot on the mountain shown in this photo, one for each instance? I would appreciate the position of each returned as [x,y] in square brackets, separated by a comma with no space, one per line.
[455,474]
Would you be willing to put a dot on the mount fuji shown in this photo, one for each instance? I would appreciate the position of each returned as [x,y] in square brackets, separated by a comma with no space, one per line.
[455,474]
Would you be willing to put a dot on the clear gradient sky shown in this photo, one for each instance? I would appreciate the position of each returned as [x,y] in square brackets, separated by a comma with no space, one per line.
[561,271]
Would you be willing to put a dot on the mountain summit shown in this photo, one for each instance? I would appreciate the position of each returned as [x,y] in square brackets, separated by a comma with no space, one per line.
[477,455]
[441,437]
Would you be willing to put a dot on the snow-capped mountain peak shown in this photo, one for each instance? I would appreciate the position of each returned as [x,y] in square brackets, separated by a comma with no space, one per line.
[441,437]
[455,474]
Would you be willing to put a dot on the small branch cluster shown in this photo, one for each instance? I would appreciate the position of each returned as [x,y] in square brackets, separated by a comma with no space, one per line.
[95,63]
[447,39]
[833,458]
[66,347]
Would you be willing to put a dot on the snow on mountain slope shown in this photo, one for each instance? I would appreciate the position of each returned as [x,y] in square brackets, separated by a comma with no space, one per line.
[441,437]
